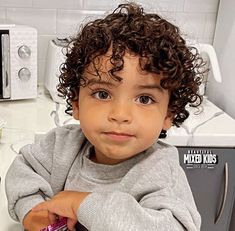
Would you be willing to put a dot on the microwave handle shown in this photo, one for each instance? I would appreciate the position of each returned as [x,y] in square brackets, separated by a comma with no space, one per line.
[6,90]
[221,210]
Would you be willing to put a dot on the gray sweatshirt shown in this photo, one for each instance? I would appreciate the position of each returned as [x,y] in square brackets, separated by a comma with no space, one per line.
[147,192]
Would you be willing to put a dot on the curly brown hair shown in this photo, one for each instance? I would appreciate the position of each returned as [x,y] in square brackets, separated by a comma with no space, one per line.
[157,42]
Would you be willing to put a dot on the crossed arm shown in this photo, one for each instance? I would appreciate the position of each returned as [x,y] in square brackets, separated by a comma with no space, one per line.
[64,204]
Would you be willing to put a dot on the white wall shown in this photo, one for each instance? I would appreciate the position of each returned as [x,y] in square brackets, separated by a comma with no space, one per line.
[223,94]
[54,18]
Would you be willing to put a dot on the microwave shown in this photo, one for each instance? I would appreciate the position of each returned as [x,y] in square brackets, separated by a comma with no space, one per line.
[18,69]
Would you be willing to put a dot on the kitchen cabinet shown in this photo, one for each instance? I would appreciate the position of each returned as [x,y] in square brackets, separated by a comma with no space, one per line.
[211,175]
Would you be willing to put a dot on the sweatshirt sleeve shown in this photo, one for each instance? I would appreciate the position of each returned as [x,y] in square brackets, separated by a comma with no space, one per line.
[28,180]
[40,170]
[169,207]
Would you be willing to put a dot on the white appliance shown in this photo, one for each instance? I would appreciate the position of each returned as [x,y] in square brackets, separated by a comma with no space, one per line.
[55,57]
[224,43]
[208,125]
[18,69]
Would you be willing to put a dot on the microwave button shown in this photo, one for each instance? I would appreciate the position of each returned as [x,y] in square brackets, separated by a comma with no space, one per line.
[24,52]
[24,74]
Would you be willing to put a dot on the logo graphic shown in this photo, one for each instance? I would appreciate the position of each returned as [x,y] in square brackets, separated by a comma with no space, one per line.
[200,158]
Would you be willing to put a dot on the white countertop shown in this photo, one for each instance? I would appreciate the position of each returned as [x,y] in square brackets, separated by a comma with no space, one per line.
[27,118]
[211,127]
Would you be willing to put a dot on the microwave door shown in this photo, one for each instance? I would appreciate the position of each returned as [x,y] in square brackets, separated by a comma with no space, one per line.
[5,48]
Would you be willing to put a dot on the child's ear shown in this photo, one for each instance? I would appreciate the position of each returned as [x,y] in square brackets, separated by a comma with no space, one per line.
[167,123]
[75,109]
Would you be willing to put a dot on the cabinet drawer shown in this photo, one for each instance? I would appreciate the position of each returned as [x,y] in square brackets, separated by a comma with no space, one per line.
[211,175]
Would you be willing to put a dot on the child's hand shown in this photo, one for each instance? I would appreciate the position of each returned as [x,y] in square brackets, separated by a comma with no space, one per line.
[65,204]
[35,221]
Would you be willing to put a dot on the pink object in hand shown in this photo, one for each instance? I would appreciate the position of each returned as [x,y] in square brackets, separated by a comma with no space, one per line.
[60,225]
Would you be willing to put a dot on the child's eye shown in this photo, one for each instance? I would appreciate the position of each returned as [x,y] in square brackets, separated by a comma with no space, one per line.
[101,95]
[144,99]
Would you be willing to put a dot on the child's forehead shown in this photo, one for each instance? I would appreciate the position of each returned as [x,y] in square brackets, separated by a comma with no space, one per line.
[104,63]
[99,72]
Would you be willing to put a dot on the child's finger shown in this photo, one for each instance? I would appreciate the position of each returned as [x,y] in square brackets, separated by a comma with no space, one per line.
[52,217]
[71,223]
[40,207]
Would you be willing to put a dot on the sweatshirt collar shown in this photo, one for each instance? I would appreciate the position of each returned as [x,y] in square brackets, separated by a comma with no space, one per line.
[103,171]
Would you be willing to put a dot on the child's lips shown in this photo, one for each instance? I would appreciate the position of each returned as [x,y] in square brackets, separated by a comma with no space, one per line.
[118,136]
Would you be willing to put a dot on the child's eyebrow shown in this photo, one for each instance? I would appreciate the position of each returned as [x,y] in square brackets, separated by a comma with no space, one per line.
[100,82]
[111,84]
[150,86]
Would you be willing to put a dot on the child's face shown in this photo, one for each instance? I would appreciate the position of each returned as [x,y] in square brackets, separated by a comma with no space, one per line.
[122,119]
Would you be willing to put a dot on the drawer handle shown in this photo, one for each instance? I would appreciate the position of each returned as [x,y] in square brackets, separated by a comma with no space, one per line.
[221,210]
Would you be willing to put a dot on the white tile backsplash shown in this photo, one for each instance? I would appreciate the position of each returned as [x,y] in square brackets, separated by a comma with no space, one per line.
[191,24]
[2,15]
[209,6]
[69,21]
[41,71]
[155,5]
[105,5]
[68,4]
[52,18]
[209,28]
[42,19]
[43,41]
[16,3]
[165,5]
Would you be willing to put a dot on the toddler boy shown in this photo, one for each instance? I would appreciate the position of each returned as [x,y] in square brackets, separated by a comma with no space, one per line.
[127,78]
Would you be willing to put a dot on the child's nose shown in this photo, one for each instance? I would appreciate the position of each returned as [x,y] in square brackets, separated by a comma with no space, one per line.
[120,113]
